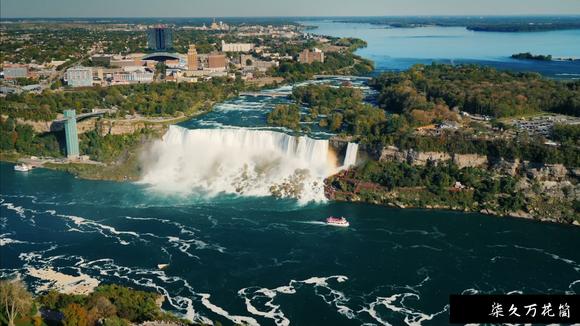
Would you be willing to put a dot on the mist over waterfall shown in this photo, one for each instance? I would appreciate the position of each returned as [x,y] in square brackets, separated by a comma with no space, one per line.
[238,161]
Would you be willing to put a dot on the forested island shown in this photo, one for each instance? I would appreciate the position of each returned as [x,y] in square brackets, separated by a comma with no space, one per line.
[529,56]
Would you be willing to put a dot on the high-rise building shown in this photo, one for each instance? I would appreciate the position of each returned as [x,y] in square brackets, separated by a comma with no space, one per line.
[192,58]
[70,130]
[216,61]
[79,76]
[160,38]
[308,56]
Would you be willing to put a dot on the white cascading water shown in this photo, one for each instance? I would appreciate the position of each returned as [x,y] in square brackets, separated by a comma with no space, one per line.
[351,154]
[238,161]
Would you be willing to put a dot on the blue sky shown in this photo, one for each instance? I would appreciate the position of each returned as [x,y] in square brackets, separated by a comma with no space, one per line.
[238,8]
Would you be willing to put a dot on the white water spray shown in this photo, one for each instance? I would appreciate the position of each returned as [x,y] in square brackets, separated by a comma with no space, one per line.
[238,161]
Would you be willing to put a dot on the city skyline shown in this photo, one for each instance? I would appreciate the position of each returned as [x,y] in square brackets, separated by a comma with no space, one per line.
[265,8]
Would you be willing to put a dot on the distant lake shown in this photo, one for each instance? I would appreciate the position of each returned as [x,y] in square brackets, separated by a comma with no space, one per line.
[400,48]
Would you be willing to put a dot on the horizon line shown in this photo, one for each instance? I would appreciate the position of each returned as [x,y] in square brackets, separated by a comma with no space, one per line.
[300,16]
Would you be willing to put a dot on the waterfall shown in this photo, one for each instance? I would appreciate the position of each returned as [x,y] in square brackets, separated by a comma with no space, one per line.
[350,156]
[238,161]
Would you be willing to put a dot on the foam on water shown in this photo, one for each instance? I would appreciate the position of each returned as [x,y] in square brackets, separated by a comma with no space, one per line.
[265,297]
[222,312]
[4,240]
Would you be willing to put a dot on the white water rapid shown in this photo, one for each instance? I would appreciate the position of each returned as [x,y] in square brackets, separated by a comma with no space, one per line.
[239,161]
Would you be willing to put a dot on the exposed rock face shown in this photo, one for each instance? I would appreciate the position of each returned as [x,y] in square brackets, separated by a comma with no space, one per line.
[535,171]
[38,126]
[41,127]
[553,172]
[392,153]
[470,160]
[123,127]
[86,125]
[506,167]
[421,158]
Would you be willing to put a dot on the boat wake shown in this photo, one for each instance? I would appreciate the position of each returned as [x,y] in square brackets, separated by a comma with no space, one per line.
[312,222]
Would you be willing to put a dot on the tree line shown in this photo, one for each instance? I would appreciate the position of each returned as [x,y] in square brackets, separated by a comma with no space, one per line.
[156,99]
[475,89]
[107,305]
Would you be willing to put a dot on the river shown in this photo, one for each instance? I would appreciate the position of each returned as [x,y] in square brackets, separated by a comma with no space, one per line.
[400,48]
[236,254]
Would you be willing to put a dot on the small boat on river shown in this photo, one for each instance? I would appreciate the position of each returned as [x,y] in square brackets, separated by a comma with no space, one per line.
[22,167]
[337,221]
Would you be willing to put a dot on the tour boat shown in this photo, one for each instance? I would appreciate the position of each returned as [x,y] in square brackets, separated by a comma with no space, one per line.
[22,168]
[337,221]
[162,266]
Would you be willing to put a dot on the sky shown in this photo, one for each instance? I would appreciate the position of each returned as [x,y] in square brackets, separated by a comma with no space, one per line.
[253,8]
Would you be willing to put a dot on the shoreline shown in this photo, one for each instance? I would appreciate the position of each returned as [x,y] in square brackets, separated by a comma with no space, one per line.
[442,208]
[391,204]
[63,283]
[382,197]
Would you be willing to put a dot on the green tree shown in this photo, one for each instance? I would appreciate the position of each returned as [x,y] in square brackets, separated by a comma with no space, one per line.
[75,315]
[15,299]
[285,116]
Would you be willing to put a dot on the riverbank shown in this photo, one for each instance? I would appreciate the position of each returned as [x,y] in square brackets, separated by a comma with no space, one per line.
[122,167]
[125,167]
[80,300]
[520,198]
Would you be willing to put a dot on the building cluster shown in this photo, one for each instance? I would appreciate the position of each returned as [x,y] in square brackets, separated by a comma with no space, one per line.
[283,32]
[544,125]
[112,70]
[11,73]
[248,60]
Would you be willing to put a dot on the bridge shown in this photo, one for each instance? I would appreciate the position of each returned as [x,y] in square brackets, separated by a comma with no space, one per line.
[84,115]
[265,94]
[58,124]
[161,56]
[341,77]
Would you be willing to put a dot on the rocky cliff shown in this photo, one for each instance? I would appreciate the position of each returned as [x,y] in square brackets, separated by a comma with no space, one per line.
[392,153]
[551,191]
